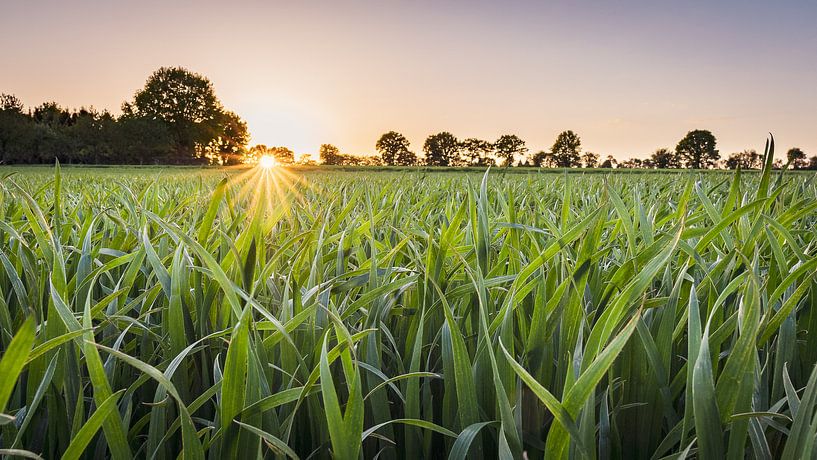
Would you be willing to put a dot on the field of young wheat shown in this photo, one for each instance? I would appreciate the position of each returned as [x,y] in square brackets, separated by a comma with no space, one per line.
[407,314]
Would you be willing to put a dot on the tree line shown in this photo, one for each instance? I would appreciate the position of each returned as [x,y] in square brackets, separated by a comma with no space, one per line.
[697,150]
[175,118]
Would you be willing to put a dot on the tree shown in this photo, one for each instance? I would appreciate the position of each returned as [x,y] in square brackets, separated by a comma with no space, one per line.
[329,154]
[477,152]
[609,162]
[747,159]
[812,163]
[797,158]
[509,146]
[186,102]
[664,159]
[566,149]
[590,160]
[50,113]
[10,103]
[16,131]
[632,163]
[697,150]
[394,150]
[542,159]
[229,147]
[306,160]
[282,155]
[442,149]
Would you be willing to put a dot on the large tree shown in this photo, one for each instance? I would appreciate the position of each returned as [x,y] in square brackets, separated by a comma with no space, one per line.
[664,159]
[697,150]
[394,150]
[186,102]
[567,149]
[442,149]
[508,147]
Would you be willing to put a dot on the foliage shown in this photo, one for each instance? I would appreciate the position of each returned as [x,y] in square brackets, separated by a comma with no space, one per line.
[478,152]
[797,158]
[442,149]
[609,162]
[664,159]
[393,148]
[186,102]
[747,159]
[567,149]
[542,159]
[590,160]
[508,147]
[176,118]
[697,150]
[329,154]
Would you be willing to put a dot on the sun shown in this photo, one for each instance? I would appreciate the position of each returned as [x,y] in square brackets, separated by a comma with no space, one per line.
[267,162]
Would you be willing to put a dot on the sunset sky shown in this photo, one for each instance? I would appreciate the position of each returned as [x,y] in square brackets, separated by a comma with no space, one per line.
[628,77]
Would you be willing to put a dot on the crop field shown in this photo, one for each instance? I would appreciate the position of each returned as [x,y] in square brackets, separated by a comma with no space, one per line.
[323,313]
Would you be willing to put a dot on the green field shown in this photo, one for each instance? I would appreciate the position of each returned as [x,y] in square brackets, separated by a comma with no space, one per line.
[321,313]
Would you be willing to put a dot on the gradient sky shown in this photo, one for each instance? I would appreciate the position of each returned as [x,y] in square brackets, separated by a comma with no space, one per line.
[628,77]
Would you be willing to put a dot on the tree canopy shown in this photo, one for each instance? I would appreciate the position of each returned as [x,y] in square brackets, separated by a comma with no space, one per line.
[697,150]
[394,150]
[566,150]
[175,118]
[442,149]
[509,146]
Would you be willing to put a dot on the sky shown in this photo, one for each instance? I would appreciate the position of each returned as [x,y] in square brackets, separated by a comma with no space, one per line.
[629,77]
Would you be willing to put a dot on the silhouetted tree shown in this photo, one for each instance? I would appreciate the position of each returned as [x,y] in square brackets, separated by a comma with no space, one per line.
[10,103]
[16,131]
[329,154]
[229,147]
[50,113]
[542,159]
[306,160]
[747,159]
[665,159]
[442,149]
[609,162]
[509,146]
[566,150]
[590,160]
[187,103]
[632,163]
[812,163]
[697,149]
[282,154]
[394,150]
[797,158]
[477,152]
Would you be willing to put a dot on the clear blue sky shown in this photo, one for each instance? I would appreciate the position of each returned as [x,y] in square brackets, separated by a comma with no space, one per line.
[629,77]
